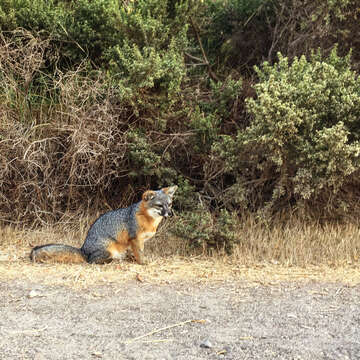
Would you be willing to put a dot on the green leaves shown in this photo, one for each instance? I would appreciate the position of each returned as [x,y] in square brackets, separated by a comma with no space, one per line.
[306,120]
[150,54]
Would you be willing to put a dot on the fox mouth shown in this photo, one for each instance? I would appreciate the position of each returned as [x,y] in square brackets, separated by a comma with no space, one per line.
[157,210]
[163,212]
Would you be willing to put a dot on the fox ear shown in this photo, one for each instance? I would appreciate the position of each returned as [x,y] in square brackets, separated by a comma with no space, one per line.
[170,191]
[148,195]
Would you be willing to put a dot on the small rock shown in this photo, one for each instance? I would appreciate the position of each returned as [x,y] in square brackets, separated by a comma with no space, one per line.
[206,344]
[33,293]
[97,354]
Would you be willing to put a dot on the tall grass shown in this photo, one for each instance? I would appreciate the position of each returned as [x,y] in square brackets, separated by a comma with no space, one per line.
[292,244]
[298,243]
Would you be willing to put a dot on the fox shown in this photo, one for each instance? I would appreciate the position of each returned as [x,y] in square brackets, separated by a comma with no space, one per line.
[114,232]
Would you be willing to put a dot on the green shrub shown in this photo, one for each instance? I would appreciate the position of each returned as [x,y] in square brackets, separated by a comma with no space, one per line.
[204,230]
[147,161]
[91,27]
[303,138]
[78,30]
[150,52]
[208,116]
[34,15]
[139,40]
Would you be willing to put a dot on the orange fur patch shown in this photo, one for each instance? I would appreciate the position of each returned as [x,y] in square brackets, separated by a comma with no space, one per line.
[123,238]
[146,222]
[121,244]
[147,195]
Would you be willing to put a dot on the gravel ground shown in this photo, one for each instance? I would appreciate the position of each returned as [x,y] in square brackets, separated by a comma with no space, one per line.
[240,321]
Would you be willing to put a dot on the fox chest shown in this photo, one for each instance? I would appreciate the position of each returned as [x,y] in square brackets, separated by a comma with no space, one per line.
[145,235]
[147,232]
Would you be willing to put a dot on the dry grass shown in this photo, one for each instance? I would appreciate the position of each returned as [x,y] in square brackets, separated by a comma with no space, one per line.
[62,137]
[288,253]
[295,242]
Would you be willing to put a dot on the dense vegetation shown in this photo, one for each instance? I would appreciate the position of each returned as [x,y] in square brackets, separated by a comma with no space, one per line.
[247,105]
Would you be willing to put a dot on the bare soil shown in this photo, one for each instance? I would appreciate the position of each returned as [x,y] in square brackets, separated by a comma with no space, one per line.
[139,318]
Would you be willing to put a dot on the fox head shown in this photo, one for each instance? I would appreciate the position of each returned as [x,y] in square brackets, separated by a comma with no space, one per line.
[158,203]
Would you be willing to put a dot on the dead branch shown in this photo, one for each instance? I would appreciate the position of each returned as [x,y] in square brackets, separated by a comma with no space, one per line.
[206,61]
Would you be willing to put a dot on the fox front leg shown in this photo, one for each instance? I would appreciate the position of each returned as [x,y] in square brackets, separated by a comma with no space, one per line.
[137,247]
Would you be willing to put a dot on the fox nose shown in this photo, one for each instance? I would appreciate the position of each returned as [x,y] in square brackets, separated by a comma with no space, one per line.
[164,213]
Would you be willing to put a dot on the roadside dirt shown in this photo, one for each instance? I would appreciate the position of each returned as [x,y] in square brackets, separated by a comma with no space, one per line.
[136,319]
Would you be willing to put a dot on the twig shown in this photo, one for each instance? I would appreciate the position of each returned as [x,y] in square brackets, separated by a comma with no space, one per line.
[164,328]
[195,58]
[253,14]
[206,61]
[157,340]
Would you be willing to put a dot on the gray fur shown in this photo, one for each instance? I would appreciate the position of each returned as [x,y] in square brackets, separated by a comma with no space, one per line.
[106,227]
[163,199]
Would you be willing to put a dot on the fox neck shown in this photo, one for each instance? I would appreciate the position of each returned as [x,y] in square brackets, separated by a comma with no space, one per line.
[148,218]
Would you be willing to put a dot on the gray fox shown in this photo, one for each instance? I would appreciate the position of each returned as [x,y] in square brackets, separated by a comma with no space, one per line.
[114,232]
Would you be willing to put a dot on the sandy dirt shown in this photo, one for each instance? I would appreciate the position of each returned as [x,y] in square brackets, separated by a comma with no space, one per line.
[146,320]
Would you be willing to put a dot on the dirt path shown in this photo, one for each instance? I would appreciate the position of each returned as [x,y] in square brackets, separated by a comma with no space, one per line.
[291,320]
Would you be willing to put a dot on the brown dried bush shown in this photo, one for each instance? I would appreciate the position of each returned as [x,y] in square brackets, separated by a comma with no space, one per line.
[61,140]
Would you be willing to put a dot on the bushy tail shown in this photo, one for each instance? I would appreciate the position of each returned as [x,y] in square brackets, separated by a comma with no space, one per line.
[57,253]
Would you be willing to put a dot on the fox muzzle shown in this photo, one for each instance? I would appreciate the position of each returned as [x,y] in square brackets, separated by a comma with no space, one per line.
[166,211]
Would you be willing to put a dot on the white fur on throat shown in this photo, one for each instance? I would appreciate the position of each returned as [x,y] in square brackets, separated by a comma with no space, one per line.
[154,213]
